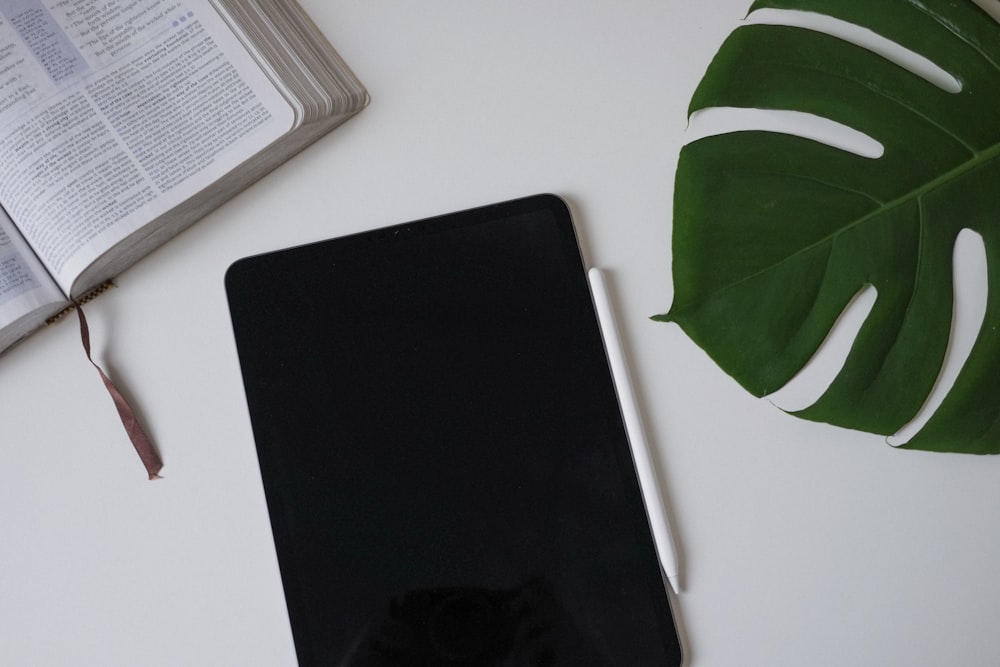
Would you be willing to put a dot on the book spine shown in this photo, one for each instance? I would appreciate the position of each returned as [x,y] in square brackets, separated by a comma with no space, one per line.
[89,296]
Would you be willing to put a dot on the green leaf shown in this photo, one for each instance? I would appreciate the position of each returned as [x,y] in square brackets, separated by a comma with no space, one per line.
[774,234]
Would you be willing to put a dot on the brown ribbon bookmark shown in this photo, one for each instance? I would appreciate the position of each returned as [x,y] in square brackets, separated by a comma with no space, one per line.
[147,452]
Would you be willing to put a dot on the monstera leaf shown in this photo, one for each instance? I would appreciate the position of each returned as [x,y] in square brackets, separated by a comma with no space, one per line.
[774,234]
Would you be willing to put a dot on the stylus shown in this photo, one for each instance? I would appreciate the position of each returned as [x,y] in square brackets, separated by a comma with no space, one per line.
[650,487]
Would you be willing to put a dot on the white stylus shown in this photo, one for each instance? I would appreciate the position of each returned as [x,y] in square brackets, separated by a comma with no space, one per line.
[648,483]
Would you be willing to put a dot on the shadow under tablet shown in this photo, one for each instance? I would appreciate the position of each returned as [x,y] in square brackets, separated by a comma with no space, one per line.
[447,473]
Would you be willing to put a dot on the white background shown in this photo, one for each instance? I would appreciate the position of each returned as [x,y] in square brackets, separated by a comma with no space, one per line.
[801,544]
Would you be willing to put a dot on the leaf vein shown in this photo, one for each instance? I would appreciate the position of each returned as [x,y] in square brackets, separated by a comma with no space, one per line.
[893,99]
[950,27]
[913,195]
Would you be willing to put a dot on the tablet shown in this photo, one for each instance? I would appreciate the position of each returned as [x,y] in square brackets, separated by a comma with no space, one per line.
[447,474]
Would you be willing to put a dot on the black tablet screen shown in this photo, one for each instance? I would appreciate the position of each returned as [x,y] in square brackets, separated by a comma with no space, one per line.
[445,465]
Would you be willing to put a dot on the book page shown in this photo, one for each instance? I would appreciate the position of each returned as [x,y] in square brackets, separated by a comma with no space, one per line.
[28,296]
[112,113]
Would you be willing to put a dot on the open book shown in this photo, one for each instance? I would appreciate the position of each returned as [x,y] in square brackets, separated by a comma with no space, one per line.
[123,122]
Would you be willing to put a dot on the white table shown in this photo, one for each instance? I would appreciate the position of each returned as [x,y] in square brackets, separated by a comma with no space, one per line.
[802,544]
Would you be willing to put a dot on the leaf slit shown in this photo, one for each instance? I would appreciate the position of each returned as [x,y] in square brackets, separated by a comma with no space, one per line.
[864,38]
[968,314]
[813,379]
[713,121]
